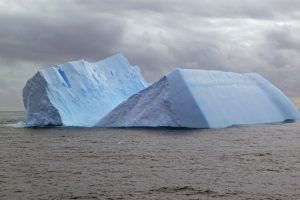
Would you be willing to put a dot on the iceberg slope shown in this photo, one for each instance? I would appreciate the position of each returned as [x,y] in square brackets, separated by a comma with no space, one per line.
[203,99]
[79,93]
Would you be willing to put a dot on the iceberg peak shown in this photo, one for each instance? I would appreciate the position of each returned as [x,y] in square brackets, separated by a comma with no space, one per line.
[79,93]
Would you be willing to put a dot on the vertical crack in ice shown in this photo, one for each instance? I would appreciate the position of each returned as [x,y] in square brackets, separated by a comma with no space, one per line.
[64,76]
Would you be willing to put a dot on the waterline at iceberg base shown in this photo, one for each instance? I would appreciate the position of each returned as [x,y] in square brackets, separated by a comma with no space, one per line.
[112,93]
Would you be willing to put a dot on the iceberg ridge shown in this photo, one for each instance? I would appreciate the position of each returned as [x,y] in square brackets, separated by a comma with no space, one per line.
[203,99]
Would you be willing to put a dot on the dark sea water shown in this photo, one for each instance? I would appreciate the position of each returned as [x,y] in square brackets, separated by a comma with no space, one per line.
[245,162]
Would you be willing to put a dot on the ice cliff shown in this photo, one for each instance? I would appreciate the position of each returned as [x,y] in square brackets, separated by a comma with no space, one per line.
[203,99]
[79,93]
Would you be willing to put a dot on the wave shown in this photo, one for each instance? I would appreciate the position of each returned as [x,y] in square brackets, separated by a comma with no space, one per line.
[19,124]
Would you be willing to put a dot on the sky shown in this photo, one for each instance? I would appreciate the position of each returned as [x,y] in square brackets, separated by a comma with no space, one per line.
[229,35]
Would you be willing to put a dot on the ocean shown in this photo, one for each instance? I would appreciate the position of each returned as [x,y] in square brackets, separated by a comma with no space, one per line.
[241,162]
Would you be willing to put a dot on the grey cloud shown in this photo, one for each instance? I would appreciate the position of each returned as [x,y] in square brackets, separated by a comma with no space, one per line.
[280,52]
[282,47]
[284,38]
[268,9]
[38,40]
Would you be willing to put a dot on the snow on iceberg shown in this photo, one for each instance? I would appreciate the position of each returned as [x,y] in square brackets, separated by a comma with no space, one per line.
[203,99]
[79,93]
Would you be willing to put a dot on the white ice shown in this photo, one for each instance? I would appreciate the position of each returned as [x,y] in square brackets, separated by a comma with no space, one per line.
[79,93]
[203,99]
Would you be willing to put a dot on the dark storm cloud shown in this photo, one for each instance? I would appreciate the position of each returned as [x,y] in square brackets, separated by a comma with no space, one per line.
[242,36]
[37,39]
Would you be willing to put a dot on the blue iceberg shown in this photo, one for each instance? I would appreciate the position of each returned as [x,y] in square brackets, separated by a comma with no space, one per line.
[203,99]
[79,93]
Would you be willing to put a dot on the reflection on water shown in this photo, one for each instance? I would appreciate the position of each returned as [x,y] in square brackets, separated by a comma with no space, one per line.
[256,162]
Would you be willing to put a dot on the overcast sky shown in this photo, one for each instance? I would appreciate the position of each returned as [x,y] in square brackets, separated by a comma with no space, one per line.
[231,35]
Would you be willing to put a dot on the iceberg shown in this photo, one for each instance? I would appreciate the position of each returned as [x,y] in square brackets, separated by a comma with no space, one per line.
[79,93]
[203,99]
